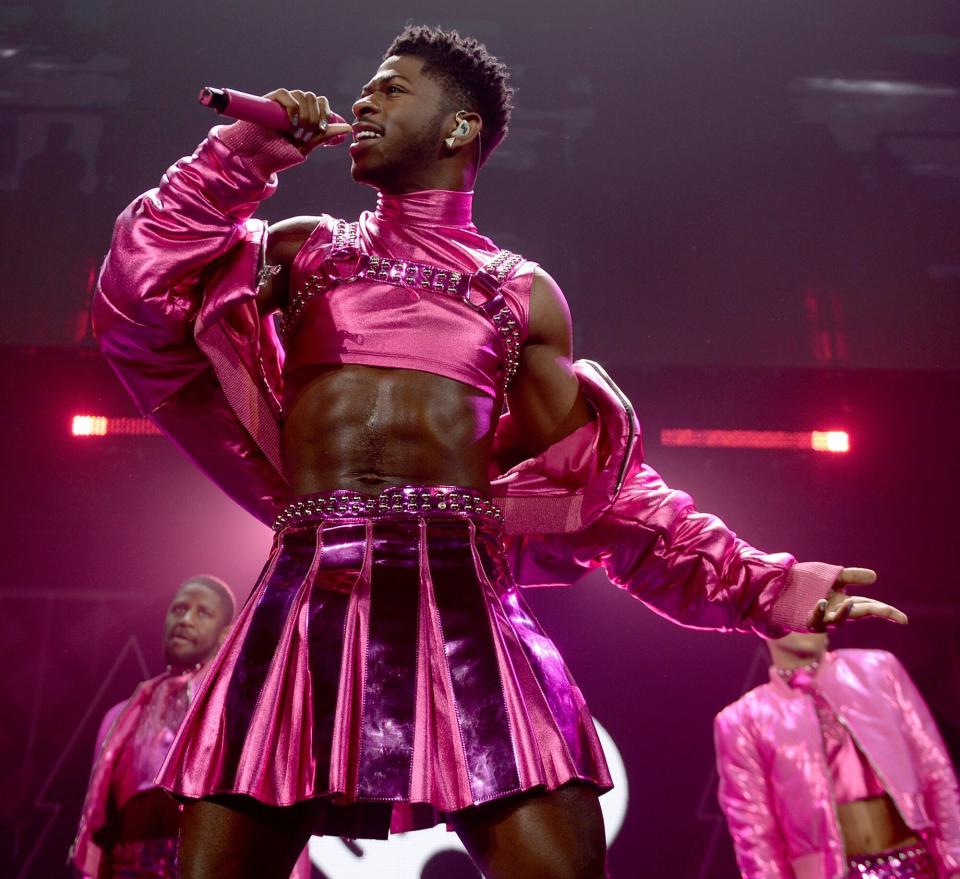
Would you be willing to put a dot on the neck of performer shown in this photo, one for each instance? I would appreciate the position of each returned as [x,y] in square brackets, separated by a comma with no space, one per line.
[429,208]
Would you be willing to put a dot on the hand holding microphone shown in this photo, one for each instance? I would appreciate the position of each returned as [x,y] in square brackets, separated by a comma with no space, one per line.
[304,116]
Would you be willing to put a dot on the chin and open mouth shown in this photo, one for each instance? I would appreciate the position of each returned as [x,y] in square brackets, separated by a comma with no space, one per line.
[365,134]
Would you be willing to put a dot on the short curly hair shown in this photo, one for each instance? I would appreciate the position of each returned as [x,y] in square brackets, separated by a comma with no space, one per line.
[470,76]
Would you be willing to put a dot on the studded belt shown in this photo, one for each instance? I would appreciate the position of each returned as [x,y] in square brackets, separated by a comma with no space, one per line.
[913,862]
[394,500]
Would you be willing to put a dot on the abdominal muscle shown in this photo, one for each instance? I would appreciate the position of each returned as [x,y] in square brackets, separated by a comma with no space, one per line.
[872,826]
[365,428]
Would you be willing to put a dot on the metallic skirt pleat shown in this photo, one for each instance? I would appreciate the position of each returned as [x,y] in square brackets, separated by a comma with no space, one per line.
[386,660]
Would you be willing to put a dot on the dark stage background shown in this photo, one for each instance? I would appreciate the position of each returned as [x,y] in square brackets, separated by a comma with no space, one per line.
[752,207]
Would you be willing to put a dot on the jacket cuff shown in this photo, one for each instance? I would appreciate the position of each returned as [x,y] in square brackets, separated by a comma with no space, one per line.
[263,151]
[806,583]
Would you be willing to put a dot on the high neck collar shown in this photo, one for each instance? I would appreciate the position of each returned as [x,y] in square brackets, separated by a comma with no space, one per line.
[432,207]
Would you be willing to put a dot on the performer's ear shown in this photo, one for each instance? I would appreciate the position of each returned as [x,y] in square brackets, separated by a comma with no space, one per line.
[223,634]
[461,130]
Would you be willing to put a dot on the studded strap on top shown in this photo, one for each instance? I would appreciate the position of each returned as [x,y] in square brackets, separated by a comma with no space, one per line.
[346,261]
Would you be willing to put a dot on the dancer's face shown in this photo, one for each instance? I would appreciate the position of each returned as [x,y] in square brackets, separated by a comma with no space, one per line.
[195,624]
[798,648]
[409,115]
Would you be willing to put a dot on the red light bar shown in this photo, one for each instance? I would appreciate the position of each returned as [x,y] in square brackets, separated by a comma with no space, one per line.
[835,441]
[830,441]
[101,425]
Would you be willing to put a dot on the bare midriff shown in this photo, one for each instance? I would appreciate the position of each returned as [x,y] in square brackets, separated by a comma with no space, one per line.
[153,814]
[366,428]
[872,826]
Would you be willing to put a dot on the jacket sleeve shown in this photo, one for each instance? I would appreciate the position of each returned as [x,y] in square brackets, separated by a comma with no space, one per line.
[165,246]
[937,776]
[745,799]
[686,565]
[86,853]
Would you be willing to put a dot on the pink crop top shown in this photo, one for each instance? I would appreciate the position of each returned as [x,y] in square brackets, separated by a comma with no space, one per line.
[852,775]
[412,285]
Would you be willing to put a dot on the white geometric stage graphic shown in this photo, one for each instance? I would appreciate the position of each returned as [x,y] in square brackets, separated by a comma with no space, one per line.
[43,802]
[405,855]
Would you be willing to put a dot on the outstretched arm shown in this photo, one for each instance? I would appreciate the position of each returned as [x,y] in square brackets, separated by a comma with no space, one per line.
[684,564]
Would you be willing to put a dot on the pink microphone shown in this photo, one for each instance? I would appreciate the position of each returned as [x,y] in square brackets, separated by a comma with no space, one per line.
[260,111]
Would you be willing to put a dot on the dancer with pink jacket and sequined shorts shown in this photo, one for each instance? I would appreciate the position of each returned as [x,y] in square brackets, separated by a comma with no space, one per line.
[835,768]
[424,445]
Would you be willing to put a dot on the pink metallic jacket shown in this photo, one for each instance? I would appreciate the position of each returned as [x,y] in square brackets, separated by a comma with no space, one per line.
[176,316]
[133,739]
[775,784]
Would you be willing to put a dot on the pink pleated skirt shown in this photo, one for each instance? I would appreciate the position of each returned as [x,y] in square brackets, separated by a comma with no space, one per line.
[386,661]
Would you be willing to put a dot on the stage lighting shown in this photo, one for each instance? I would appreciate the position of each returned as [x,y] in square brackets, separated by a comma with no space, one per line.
[830,441]
[835,441]
[89,425]
[101,425]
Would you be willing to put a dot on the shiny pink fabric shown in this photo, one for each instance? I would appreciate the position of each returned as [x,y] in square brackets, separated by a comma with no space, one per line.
[131,750]
[386,659]
[203,368]
[913,862]
[588,501]
[851,774]
[852,777]
[147,859]
[775,783]
[377,324]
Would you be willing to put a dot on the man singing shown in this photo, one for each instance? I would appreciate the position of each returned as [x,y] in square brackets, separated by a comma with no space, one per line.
[836,769]
[386,673]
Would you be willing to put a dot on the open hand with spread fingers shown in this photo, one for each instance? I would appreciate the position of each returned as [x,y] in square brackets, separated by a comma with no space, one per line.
[838,607]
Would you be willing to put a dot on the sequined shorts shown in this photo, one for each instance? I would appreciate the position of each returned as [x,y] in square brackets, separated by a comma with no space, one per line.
[386,663]
[913,862]
[147,859]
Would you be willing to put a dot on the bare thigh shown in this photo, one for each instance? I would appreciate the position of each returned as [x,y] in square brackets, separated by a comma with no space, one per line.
[557,835]
[238,838]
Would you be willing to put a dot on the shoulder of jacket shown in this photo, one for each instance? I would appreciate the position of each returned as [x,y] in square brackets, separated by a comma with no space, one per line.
[864,656]
[745,707]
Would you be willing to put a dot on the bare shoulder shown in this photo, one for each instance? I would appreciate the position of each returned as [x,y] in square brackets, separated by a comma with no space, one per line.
[284,240]
[545,398]
[286,237]
[549,321]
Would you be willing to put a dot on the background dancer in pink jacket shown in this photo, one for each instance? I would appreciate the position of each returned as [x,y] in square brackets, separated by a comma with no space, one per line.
[129,826]
[836,768]
[385,673]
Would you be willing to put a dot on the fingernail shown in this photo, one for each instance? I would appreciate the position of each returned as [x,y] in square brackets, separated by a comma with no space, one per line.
[298,134]
[295,119]
[822,604]
[307,137]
